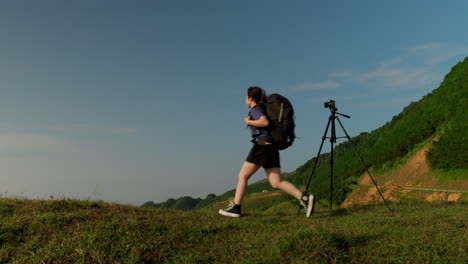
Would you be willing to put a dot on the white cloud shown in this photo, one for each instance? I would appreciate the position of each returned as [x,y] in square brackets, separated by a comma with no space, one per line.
[435,53]
[414,68]
[8,127]
[329,84]
[390,75]
[92,129]
[30,142]
[123,130]
[399,101]
[18,138]
[339,98]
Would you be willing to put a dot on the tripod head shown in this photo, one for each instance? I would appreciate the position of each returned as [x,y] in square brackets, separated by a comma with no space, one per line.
[331,104]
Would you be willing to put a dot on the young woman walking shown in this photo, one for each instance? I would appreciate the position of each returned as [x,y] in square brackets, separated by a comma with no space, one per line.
[263,154]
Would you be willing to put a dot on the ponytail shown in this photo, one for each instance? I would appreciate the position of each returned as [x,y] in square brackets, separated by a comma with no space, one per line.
[257,93]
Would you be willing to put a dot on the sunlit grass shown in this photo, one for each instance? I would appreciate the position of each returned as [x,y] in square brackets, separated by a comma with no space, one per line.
[71,231]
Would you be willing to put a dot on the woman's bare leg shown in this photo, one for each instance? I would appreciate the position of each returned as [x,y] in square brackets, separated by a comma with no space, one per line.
[246,171]
[274,177]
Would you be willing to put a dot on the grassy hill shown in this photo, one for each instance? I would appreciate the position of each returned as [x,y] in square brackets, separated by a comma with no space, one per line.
[71,231]
[438,118]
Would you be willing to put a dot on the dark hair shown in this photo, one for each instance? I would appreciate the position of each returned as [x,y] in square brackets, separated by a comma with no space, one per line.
[257,93]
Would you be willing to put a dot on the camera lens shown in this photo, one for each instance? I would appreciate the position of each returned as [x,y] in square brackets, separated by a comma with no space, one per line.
[330,104]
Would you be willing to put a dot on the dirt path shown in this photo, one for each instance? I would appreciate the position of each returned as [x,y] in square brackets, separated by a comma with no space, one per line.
[434,190]
[418,189]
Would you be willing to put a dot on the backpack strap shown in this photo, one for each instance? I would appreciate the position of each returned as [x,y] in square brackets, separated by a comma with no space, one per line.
[281,113]
[258,130]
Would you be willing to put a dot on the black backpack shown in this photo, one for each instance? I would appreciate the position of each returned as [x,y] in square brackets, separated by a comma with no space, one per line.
[281,115]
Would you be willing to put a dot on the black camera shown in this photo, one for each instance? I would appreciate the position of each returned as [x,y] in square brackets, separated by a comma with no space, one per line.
[330,104]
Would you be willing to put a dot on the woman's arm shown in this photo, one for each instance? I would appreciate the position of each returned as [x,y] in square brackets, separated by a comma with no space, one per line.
[261,122]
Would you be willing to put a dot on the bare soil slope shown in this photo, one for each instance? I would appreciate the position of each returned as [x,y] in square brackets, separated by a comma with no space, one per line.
[413,179]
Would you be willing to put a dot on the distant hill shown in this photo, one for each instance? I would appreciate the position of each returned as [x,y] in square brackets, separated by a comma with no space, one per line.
[182,203]
[439,118]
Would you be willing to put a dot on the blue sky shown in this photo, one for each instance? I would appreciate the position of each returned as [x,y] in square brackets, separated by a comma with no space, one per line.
[135,101]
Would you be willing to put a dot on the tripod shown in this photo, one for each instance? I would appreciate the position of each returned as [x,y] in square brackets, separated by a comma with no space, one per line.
[331,121]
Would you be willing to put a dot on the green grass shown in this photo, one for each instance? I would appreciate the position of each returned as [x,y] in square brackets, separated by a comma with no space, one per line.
[450,175]
[70,231]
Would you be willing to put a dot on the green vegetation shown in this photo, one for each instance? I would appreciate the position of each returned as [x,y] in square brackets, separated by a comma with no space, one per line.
[439,115]
[210,199]
[70,231]
[450,175]
[449,152]
[182,203]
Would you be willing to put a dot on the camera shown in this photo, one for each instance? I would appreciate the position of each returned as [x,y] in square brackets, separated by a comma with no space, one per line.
[330,104]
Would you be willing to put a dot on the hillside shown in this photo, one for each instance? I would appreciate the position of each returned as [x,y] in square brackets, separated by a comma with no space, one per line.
[437,120]
[436,115]
[412,180]
[182,203]
[71,231]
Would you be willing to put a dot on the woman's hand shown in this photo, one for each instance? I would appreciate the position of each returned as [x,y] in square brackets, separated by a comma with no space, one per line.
[261,122]
[247,119]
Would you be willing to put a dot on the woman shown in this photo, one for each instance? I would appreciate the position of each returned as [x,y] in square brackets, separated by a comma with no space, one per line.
[263,154]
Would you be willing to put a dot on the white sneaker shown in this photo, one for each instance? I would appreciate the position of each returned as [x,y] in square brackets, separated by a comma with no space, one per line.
[308,201]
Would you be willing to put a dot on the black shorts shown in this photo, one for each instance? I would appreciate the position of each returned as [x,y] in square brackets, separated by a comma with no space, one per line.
[265,156]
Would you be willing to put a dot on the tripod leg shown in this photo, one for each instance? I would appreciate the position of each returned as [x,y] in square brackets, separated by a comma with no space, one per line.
[363,164]
[318,154]
[332,141]
[331,173]
[317,158]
